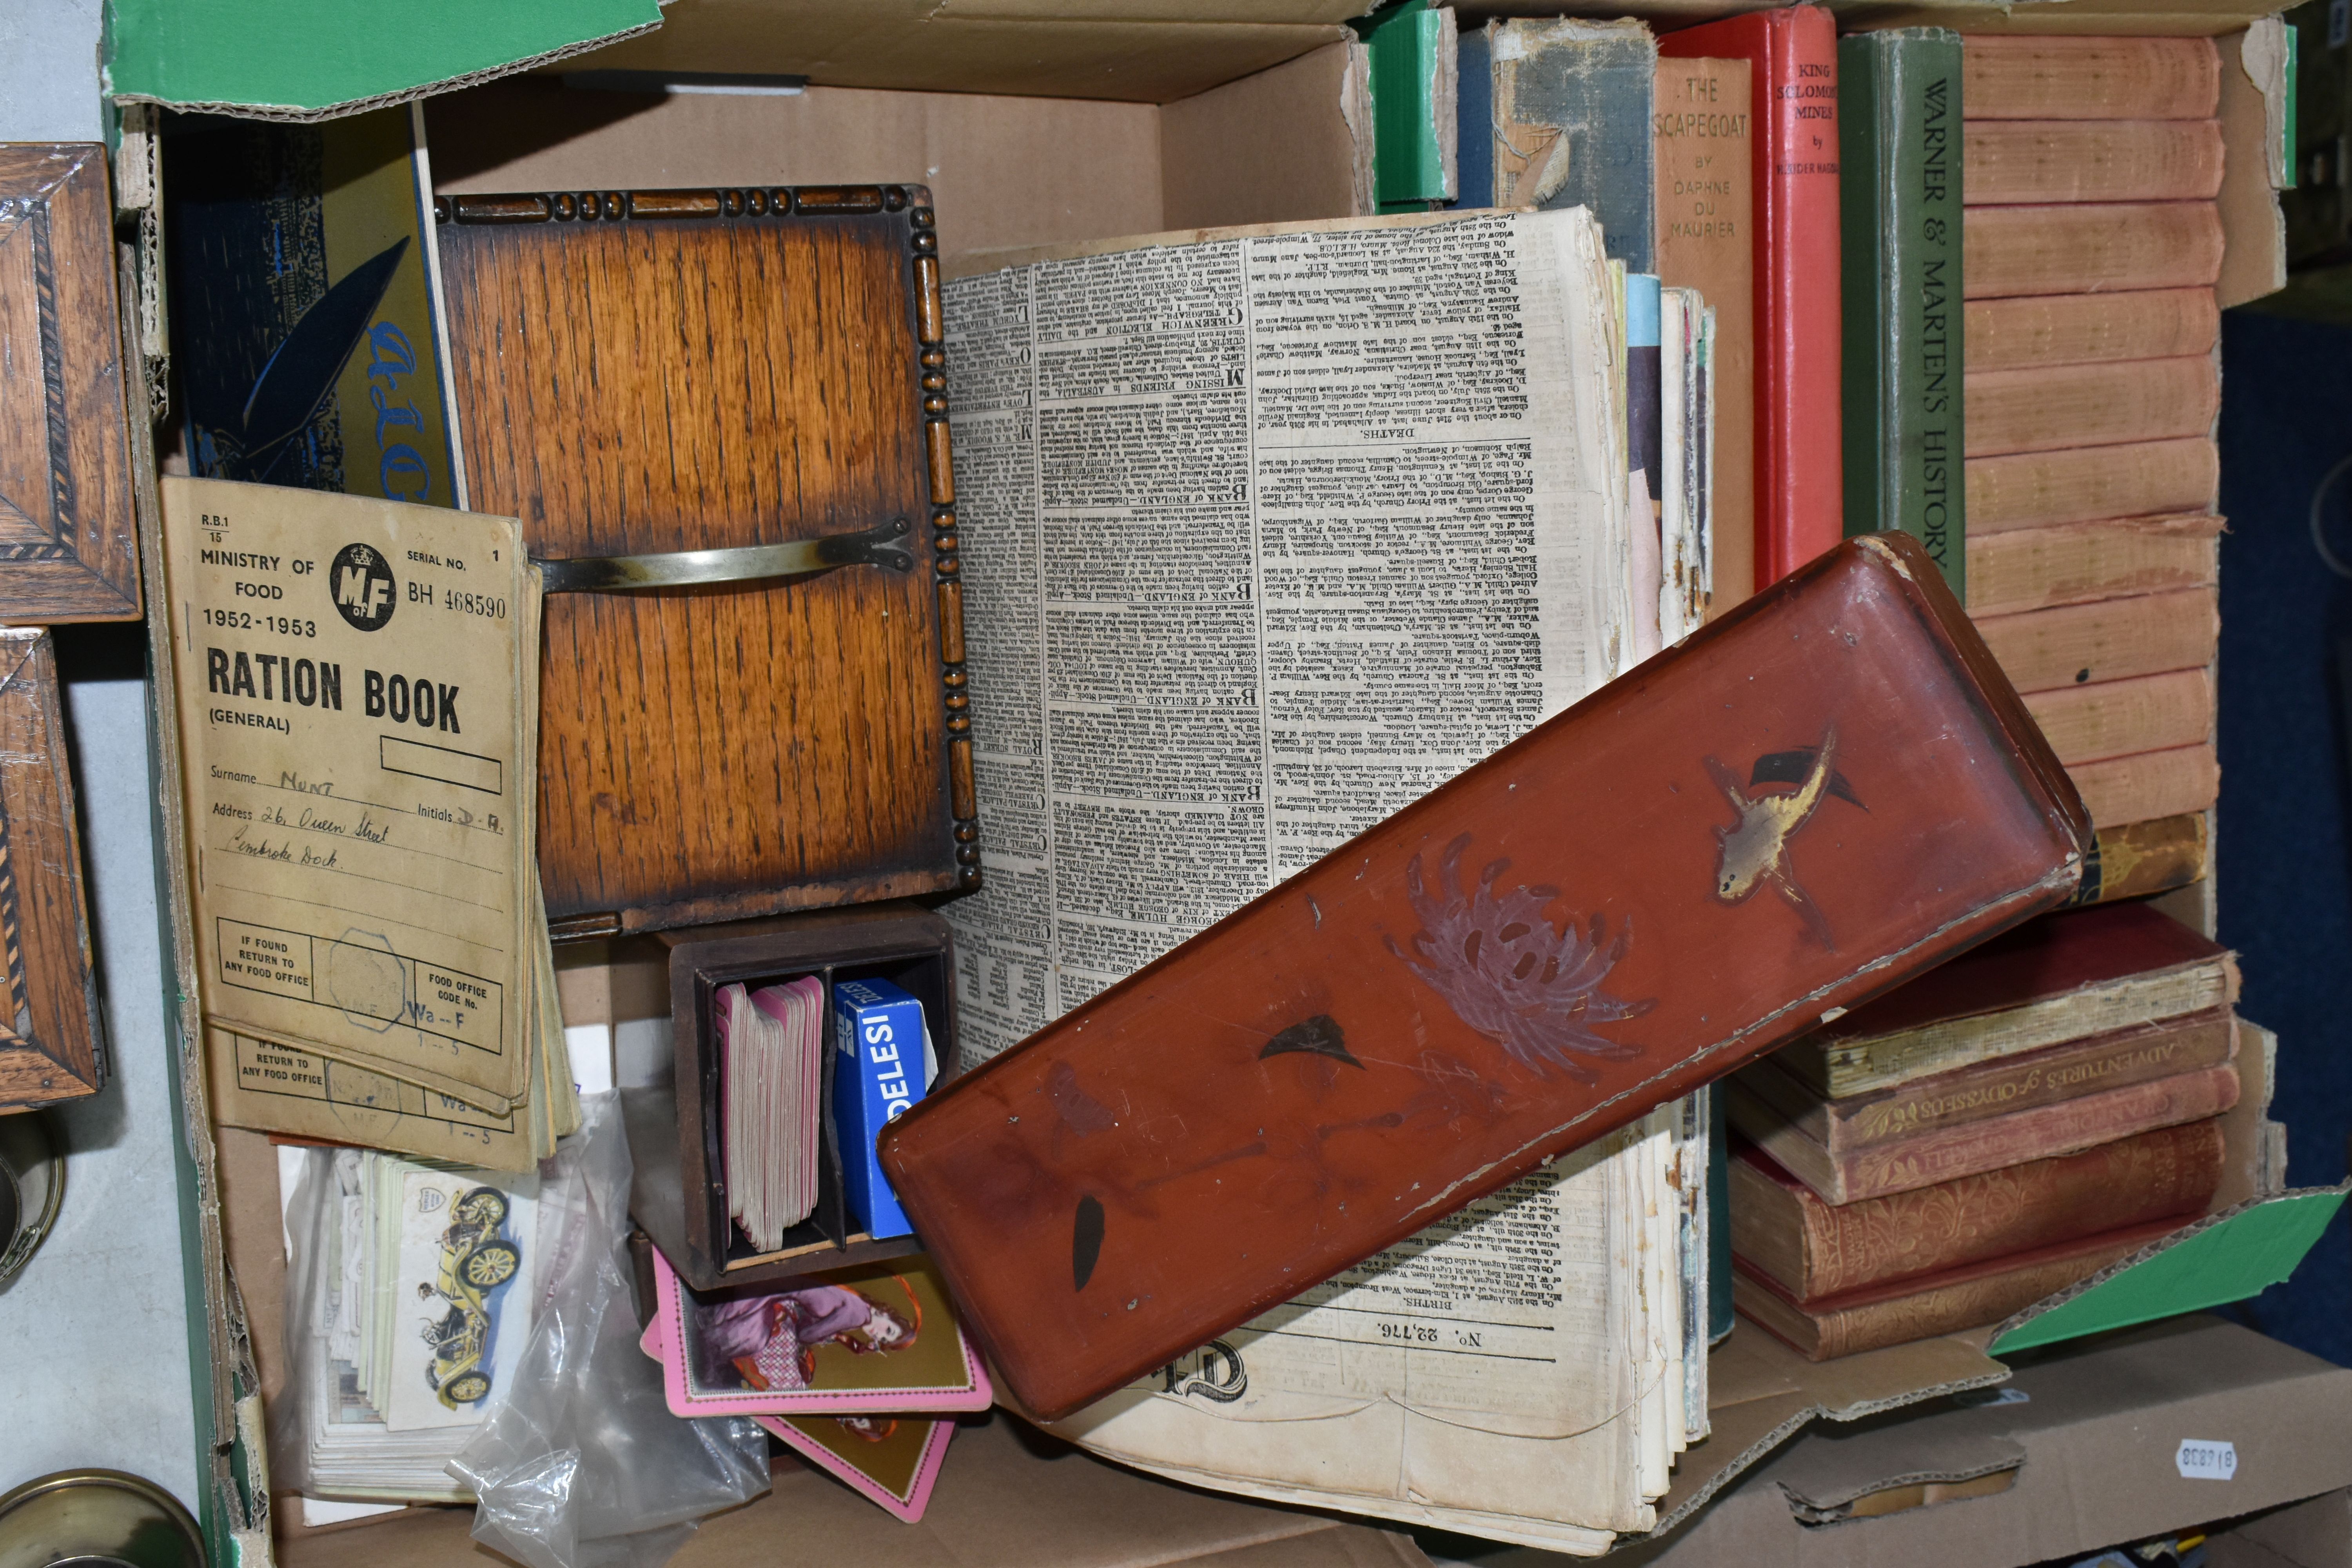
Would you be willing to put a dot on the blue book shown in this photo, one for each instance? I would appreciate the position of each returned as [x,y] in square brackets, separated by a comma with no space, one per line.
[1560,114]
[885,1052]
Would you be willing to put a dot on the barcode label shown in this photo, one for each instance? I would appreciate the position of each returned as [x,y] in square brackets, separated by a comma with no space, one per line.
[2204,1460]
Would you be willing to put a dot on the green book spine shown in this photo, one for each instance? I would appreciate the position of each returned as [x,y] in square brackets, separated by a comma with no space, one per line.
[1413,65]
[1899,220]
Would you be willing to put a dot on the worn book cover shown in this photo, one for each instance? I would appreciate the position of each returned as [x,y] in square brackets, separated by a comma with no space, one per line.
[1965,1297]
[1935,1154]
[2067,248]
[2055,1073]
[2026,78]
[1900,189]
[2106,640]
[2012,160]
[2110,558]
[2044,407]
[2121,717]
[2077,328]
[2140,858]
[2140,479]
[1567,123]
[355,704]
[2148,785]
[2079,973]
[1812,1250]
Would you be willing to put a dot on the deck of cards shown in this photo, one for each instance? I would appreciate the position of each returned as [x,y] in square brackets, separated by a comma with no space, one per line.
[850,1370]
[771,1053]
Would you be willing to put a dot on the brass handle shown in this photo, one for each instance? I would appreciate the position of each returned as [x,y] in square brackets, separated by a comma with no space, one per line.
[748,564]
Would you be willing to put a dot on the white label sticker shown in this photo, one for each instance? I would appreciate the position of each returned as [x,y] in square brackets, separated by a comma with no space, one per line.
[2202,1459]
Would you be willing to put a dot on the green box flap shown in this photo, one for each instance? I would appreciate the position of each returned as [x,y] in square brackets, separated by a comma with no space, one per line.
[2226,1258]
[310,59]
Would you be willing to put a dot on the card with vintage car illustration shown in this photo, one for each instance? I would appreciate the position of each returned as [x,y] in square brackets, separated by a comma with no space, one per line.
[459,1306]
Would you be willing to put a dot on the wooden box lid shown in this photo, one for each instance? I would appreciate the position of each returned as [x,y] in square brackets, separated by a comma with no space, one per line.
[643,373]
[1822,793]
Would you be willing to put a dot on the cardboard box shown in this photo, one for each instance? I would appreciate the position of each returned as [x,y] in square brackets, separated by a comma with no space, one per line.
[2082,1451]
[1032,125]
[1006,1499]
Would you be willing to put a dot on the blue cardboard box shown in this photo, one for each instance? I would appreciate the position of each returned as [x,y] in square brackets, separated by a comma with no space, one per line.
[882,1070]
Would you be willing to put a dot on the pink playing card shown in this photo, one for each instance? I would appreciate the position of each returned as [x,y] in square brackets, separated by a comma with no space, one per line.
[882,1337]
[891,1459]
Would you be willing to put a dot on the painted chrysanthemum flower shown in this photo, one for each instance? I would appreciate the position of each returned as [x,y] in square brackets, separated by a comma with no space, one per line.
[1510,975]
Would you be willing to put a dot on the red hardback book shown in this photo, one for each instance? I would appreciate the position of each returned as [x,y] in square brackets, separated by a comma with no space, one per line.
[1944,1303]
[2068,1070]
[1797,808]
[1800,483]
[1813,1250]
[1943,1154]
[2084,972]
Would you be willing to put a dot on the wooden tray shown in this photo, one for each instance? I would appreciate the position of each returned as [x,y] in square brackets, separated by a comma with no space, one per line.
[646,373]
[1814,799]
[678,1195]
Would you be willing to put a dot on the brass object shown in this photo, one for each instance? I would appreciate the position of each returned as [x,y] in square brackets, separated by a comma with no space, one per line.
[97,1519]
[748,564]
[32,1185]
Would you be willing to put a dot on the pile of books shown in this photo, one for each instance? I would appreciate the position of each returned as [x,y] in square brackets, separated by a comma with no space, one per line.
[1995,1131]
[2093,242]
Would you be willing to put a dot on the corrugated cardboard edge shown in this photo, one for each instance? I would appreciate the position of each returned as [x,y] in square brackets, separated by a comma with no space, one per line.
[298,114]
[1844,1390]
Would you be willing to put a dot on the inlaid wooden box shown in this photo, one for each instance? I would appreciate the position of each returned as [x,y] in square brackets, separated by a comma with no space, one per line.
[678,1196]
[644,374]
[51,1045]
[67,545]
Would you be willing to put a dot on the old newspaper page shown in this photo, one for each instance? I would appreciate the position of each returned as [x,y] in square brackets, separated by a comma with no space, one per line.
[357,779]
[1267,534]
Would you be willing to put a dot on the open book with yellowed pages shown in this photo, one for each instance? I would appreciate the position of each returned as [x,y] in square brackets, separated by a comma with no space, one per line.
[1268,532]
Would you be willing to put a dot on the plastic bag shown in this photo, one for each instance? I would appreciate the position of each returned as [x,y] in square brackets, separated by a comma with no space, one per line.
[584,1466]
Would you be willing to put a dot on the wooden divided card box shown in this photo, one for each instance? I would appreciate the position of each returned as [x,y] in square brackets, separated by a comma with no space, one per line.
[679,1192]
[721,415]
